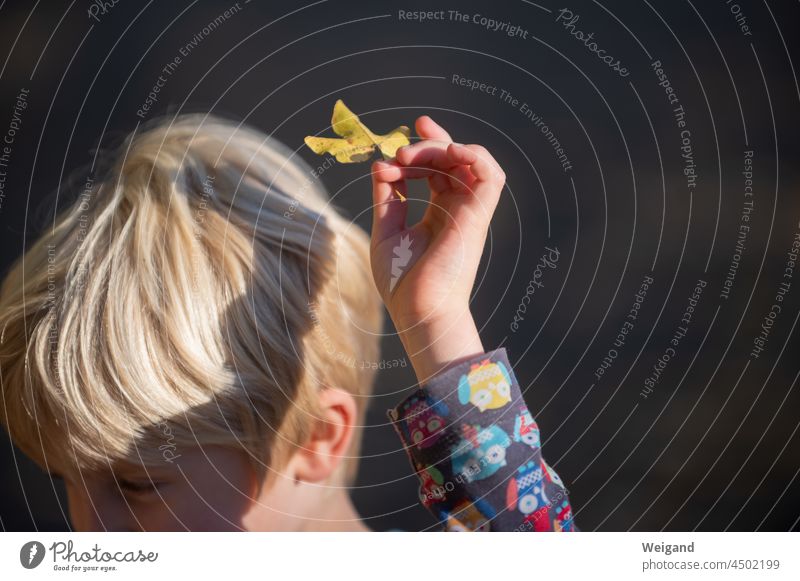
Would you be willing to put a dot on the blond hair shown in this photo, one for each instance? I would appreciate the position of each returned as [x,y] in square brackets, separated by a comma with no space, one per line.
[202,288]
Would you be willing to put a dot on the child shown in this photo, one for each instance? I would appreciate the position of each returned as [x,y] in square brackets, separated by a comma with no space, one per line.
[179,347]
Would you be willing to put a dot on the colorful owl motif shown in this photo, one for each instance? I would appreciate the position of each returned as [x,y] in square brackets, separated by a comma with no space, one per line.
[526,430]
[551,475]
[526,493]
[470,516]
[563,522]
[431,489]
[423,420]
[481,452]
[487,386]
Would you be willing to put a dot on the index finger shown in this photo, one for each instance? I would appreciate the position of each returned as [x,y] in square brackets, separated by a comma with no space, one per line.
[426,153]
[427,128]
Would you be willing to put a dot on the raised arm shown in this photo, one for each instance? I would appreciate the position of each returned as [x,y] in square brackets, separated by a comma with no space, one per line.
[468,433]
[477,451]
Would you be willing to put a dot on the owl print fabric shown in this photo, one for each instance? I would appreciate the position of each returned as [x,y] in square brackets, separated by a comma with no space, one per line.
[476,450]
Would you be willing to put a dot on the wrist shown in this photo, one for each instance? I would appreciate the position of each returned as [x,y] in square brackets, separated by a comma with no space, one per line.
[437,343]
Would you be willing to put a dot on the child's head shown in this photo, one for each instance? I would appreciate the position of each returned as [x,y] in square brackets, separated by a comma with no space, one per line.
[197,318]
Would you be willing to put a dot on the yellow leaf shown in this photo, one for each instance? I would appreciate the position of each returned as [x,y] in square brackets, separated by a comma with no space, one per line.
[356,142]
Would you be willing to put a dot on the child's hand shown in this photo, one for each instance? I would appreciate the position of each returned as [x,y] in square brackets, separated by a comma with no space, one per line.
[425,272]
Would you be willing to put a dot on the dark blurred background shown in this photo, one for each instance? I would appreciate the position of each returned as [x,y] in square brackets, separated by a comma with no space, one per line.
[715,445]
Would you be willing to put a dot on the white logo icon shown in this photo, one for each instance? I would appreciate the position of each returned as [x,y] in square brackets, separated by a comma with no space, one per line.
[402,254]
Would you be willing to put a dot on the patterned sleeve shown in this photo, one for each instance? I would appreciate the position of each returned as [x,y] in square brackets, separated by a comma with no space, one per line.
[476,450]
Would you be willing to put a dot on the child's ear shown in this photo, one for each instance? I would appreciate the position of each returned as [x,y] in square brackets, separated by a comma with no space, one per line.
[330,438]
